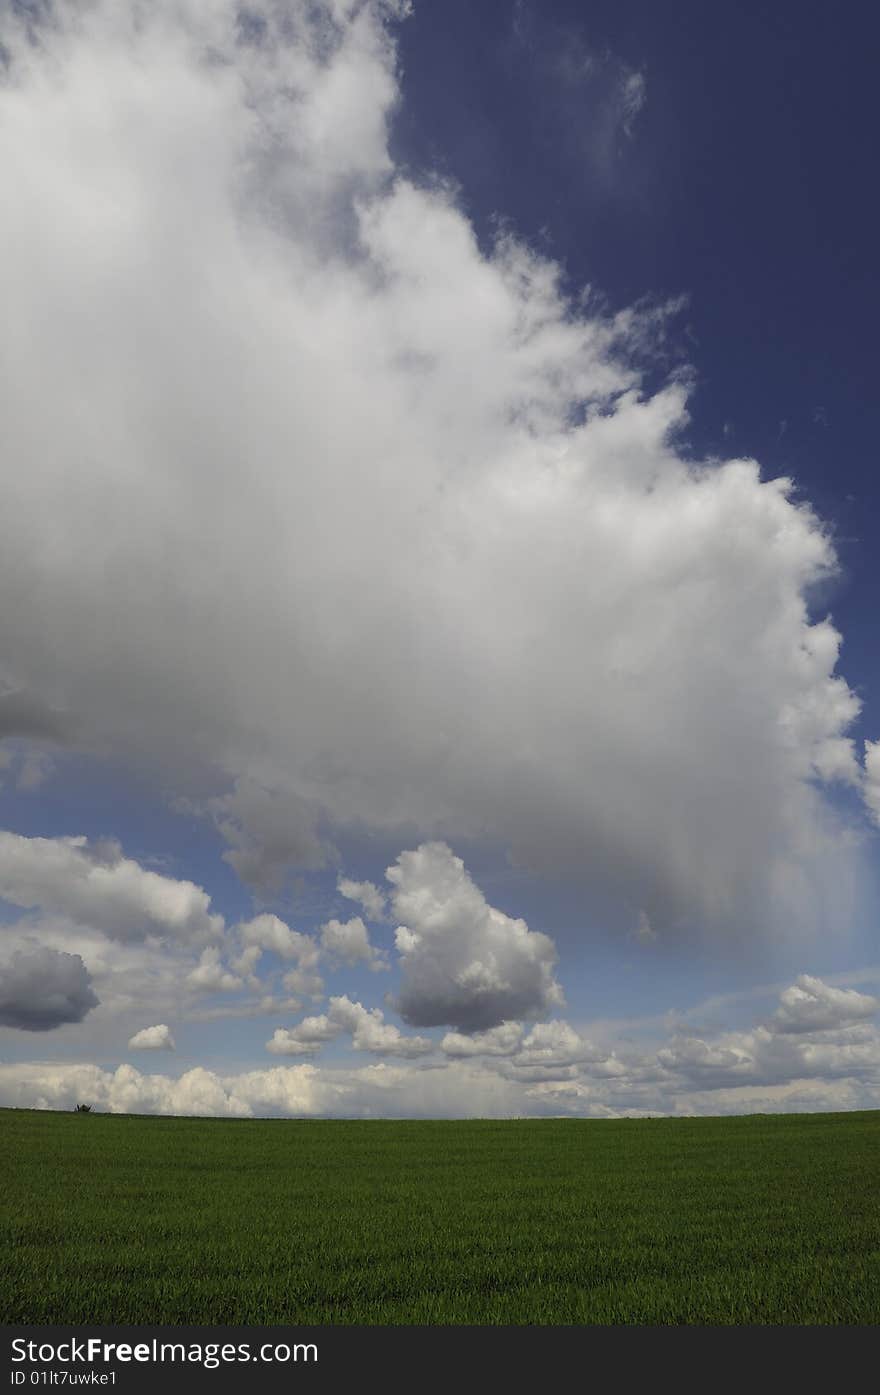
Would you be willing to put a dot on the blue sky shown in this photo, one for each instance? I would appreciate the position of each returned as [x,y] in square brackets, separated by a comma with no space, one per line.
[418,692]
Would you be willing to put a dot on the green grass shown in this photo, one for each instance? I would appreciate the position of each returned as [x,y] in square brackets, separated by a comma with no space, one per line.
[764,1219]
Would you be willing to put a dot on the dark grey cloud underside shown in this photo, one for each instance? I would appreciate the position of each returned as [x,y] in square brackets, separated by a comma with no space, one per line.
[26,715]
[41,989]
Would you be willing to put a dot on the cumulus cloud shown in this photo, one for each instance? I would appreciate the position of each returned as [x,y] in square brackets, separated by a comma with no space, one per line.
[270,932]
[817,1031]
[736,1072]
[95,885]
[463,963]
[367,1027]
[210,974]
[156,1038]
[550,1051]
[43,988]
[348,942]
[253,333]
[367,894]
[810,1005]
[56,1085]
[694,1056]
[556,1044]
[554,1068]
[503,1040]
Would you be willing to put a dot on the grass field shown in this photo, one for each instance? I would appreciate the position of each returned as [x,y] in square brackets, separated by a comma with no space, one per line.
[764,1219]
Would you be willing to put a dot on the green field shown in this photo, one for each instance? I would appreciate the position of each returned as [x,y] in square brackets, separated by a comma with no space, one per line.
[763,1219]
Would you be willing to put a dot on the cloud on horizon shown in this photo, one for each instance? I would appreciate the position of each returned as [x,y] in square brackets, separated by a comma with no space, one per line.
[503,1072]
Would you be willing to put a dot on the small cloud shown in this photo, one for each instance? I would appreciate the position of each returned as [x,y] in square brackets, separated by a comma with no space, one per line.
[367,894]
[156,1038]
[210,976]
[367,1027]
[348,942]
[633,95]
[644,931]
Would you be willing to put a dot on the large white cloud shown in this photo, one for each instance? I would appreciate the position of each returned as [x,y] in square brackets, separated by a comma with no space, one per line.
[43,988]
[331,517]
[95,885]
[463,962]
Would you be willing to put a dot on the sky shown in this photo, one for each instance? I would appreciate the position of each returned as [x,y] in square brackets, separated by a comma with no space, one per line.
[438,558]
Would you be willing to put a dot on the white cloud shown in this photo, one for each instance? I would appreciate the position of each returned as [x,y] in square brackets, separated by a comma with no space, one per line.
[500,1073]
[367,1026]
[463,962]
[348,942]
[310,985]
[210,975]
[817,1031]
[306,1037]
[269,932]
[556,1043]
[243,332]
[43,988]
[246,962]
[503,1040]
[370,1032]
[97,886]
[367,894]
[156,1038]
[694,1056]
[810,1005]
[551,1050]
[149,980]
